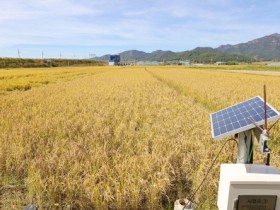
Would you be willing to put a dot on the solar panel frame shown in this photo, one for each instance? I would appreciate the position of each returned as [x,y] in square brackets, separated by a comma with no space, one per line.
[234,119]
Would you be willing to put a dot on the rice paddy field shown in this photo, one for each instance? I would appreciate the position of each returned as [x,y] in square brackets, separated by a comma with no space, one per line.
[118,137]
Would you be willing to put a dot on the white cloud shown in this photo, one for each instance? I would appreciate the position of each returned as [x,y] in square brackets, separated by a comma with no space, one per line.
[33,9]
[148,24]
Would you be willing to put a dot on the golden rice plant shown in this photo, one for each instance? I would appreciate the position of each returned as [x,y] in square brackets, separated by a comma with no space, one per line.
[118,137]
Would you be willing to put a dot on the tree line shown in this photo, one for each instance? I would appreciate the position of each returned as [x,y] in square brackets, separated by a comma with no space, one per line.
[36,63]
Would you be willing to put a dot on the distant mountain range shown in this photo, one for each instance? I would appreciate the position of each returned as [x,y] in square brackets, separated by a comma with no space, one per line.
[265,48]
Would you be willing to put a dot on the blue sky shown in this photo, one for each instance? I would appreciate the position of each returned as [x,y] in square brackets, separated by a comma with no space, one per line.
[77,28]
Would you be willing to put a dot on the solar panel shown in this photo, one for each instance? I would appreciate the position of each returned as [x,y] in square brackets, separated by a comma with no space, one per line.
[234,119]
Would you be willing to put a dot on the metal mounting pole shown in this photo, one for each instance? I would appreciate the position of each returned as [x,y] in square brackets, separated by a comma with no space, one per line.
[265,112]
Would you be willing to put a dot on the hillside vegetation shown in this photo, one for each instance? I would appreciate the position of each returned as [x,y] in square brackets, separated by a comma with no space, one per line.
[265,48]
[118,137]
[198,55]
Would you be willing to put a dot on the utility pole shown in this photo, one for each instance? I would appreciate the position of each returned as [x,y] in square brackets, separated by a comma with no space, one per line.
[42,54]
[92,55]
[18,53]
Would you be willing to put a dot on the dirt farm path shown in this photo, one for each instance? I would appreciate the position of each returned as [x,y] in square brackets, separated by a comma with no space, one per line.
[266,73]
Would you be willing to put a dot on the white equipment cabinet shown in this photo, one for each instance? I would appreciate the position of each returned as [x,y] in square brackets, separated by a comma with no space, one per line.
[249,187]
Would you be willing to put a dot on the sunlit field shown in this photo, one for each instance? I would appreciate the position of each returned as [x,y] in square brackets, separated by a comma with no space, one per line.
[117,137]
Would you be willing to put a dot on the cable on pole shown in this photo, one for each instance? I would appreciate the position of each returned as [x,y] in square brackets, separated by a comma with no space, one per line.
[202,182]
